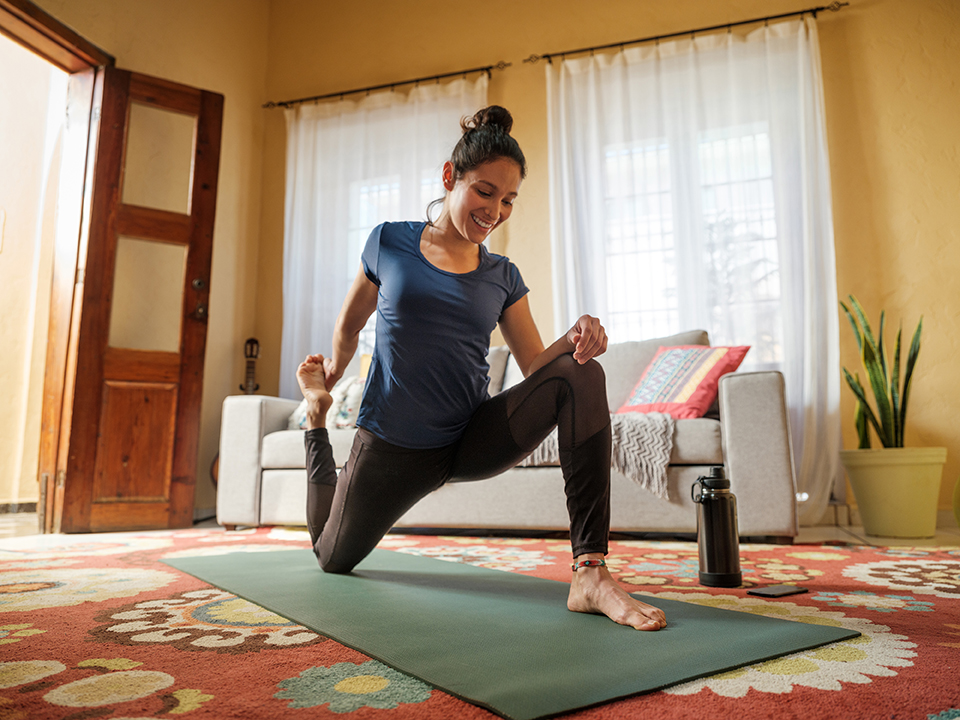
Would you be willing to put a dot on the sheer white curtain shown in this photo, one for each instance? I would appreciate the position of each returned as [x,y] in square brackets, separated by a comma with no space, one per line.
[690,189]
[350,166]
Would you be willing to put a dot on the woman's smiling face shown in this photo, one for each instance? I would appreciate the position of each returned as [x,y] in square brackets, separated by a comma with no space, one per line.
[482,199]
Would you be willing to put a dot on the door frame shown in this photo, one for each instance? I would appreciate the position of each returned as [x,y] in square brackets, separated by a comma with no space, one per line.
[38,31]
[25,23]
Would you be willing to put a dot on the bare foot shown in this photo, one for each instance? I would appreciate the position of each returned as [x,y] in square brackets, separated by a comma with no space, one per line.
[313,385]
[593,590]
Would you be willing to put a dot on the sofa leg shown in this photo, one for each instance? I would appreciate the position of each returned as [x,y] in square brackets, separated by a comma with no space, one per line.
[229,528]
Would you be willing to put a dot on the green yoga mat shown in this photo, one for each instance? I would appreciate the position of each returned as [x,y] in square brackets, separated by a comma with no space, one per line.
[503,641]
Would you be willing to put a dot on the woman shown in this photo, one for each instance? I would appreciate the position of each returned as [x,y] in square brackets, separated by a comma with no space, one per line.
[426,417]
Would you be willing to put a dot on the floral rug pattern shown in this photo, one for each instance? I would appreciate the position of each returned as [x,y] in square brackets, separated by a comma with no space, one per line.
[97,627]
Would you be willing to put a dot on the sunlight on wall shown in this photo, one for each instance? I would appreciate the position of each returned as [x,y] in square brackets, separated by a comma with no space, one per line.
[32,113]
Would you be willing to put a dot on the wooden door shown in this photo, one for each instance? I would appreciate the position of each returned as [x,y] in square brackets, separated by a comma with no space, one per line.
[130,419]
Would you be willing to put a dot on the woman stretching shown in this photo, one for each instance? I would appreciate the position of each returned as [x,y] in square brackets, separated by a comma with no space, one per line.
[426,417]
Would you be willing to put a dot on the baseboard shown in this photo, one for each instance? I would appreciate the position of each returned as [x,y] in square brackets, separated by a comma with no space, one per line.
[836,513]
[946,520]
[200,514]
[10,508]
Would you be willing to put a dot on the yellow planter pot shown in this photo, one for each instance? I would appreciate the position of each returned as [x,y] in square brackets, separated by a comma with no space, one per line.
[897,489]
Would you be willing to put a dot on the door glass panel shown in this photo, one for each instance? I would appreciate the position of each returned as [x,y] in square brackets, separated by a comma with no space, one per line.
[158,167]
[147,303]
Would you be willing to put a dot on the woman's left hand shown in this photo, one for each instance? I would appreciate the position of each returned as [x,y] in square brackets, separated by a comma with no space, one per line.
[588,338]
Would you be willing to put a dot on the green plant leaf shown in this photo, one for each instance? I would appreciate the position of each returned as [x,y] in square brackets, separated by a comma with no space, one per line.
[879,386]
[857,388]
[880,346]
[863,428]
[853,324]
[908,373]
[895,393]
[868,337]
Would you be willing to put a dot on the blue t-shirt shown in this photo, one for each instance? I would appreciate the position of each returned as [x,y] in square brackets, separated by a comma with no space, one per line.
[429,368]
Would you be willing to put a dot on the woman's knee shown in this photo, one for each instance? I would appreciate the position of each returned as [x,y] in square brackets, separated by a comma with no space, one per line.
[588,376]
[336,568]
[336,563]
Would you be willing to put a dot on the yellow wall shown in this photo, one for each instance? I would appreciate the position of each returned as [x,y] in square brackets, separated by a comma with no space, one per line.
[27,203]
[891,75]
[218,45]
[891,70]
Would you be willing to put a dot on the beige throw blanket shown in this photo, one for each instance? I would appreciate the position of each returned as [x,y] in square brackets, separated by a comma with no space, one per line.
[642,443]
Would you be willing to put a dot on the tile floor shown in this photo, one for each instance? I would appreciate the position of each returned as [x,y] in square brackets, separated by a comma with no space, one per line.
[25,524]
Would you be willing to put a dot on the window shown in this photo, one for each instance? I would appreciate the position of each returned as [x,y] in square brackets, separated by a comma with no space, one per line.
[740,248]
[734,241]
[642,298]
[690,189]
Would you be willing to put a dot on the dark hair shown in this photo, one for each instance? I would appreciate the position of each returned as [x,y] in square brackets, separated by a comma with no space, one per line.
[486,137]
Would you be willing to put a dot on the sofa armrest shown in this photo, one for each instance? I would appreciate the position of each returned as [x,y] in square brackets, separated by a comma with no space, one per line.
[246,419]
[757,451]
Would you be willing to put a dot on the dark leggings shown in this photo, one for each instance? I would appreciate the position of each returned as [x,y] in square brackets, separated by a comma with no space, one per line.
[348,516]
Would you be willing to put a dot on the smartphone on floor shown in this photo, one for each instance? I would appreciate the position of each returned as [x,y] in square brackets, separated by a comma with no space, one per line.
[776,590]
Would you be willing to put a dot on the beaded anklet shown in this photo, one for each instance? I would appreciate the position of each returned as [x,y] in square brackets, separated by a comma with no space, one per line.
[588,563]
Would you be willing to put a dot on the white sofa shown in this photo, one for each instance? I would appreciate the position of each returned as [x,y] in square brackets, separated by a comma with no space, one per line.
[262,480]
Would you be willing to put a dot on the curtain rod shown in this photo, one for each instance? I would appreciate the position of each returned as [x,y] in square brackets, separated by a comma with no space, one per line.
[316,98]
[833,7]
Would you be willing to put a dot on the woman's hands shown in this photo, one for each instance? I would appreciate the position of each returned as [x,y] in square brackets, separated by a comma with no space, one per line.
[313,365]
[588,338]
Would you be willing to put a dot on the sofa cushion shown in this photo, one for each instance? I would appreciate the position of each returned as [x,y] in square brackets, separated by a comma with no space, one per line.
[284,450]
[625,362]
[497,360]
[696,442]
[512,374]
[682,381]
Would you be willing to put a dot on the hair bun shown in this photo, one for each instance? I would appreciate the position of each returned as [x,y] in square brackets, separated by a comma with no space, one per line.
[493,115]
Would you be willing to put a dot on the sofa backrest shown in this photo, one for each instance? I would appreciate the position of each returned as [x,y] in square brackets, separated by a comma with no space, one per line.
[623,363]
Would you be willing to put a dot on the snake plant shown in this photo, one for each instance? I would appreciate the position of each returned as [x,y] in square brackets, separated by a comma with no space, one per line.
[891,399]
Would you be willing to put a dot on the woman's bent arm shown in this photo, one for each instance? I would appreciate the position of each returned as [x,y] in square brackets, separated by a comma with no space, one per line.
[586,339]
[357,308]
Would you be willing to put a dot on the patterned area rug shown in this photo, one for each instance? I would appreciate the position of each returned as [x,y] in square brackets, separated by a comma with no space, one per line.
[97,627]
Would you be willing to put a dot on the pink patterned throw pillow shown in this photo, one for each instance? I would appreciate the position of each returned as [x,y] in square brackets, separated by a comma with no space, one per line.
[682,381]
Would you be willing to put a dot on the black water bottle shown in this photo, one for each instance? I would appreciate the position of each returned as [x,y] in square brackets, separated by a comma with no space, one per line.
[717,538]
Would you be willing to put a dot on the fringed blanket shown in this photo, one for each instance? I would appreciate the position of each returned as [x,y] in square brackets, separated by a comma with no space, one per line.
[642,443]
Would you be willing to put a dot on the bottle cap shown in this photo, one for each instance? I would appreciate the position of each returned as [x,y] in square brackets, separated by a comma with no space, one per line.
[716,480]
